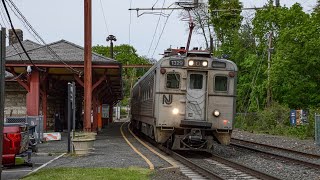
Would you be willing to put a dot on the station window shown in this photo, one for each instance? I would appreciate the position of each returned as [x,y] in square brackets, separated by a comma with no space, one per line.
[221,83]
[173,80]
[196,81]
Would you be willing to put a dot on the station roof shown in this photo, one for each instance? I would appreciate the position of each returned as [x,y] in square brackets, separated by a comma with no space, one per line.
[46,54]
[66,60]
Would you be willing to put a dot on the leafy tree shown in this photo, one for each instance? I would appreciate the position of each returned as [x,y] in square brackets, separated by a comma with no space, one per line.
[127,55]
[202,22]
[317,7]
[295,67]
[225,23]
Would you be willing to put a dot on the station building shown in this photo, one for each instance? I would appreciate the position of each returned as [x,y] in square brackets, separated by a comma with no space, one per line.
[39,87]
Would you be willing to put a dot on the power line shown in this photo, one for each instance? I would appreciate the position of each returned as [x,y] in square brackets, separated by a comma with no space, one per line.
[38,37]
[4,19]
[161,33]
[155,30]
[14,31]
[104,16]
[155,3]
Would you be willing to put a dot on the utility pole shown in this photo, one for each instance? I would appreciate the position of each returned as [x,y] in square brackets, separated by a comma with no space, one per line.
[2,88]
[270,49]
[87,64]
[111,38]
[277,3]
[211,44]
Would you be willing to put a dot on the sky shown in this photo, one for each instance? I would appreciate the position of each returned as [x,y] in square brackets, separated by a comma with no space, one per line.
[63,19]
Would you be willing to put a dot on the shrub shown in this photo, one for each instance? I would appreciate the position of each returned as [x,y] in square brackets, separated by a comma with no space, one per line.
[275,120]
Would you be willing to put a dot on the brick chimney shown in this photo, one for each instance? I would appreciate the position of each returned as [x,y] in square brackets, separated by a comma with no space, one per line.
[12,37]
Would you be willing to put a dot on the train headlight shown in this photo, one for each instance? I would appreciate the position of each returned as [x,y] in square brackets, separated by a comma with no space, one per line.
[204,63]
[216,113]
[191,63]
[175,111]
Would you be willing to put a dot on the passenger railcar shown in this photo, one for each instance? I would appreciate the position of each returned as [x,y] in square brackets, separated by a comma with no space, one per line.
[186,100]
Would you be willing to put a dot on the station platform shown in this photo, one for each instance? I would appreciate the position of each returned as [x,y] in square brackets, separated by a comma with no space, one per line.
[110,150]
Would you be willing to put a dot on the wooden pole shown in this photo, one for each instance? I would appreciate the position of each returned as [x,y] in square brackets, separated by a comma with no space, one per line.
[2,88]
[87,64]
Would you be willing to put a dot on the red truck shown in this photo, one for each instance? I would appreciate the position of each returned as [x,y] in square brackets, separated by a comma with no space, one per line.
[15,145]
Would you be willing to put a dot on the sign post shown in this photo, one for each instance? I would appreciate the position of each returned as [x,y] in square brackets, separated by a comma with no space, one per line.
[317,129]
[71,112]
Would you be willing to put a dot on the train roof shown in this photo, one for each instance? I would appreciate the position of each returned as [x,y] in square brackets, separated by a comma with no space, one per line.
[182,54]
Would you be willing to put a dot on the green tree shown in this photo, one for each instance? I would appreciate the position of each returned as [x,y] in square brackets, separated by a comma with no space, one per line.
[202,22]
[225,23]
[296,65]
[127,55]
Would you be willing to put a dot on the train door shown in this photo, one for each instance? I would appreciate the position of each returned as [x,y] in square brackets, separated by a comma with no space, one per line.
[196,96]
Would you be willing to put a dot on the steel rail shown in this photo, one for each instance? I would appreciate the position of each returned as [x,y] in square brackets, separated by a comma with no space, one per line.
[199,169]
[243,168]
[306,163]
[280,148]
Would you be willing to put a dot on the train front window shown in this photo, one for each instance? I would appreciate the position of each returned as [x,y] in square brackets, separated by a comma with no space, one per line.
[173,80]
[221,83]
[196,81]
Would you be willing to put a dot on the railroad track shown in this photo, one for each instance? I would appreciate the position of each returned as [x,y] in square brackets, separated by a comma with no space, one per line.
[245,171]
[232,169]
[205,172]
[212,167]
[195,170]
[267,149]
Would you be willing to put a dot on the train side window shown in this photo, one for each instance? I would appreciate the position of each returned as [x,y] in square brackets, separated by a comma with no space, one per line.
[173,80]
[196,81]
[221,83]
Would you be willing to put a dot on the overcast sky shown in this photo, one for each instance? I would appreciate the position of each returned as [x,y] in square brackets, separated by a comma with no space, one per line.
[63,19]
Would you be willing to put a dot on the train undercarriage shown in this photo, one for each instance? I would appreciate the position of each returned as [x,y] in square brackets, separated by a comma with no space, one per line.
[192,138]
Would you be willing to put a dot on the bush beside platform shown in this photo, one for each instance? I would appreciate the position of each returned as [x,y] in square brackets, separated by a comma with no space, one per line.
[275,121]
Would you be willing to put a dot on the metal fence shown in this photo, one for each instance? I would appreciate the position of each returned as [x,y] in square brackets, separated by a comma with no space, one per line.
[35,124]
[317,128]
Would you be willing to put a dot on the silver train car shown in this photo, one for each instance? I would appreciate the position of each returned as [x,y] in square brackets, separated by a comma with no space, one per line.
[186,101]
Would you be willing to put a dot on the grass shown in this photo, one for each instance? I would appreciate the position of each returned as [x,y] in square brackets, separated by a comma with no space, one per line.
[91,173]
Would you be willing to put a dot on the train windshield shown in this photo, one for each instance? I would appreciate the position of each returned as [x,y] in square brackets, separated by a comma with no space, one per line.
[196,81]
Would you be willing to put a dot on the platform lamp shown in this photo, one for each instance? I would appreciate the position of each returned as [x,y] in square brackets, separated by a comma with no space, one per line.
[111,38]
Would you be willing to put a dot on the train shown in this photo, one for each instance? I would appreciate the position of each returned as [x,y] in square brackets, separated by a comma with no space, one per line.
[186,101]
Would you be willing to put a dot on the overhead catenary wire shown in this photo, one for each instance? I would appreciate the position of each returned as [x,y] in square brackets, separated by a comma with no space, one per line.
[14,31]
[34,33]
[155,3]
[155,30]
[104,16]
[4,21]
[164,26]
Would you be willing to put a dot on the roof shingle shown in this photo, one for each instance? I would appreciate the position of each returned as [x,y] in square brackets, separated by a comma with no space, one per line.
[67,51]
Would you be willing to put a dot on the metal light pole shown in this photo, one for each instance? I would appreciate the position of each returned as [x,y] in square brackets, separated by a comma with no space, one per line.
[111,38]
